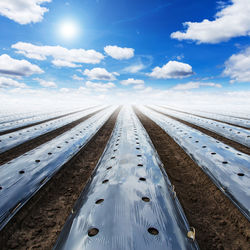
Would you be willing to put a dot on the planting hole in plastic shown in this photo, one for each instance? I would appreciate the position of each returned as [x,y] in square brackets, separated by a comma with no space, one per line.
[92,232]
[241,174]
[145,199]
[49,153]
[105,181]
[140,165]
[224,162]
[109,168]
[99,201]
[37,161]
[21,172]
[213,153]
[153,231]
[142,179]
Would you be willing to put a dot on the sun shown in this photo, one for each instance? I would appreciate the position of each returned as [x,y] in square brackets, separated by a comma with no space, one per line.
[68,29]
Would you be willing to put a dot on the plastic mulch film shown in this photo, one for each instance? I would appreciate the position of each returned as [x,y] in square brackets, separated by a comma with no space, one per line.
[237,134]
[19,120]
[227,167]
[22,177]
[220,117]
[129,203]
[16,138]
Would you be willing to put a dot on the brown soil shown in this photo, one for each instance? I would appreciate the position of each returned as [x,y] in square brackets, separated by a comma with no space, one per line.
[207,118]
[37,123]
[236,145]
[35,142]
[38,224]
[218,223]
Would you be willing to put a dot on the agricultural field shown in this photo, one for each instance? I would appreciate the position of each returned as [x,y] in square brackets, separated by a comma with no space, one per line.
[124,177]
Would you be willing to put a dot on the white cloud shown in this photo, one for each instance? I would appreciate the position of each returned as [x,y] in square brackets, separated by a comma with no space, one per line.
[77,78]
[118,52]
[17,68]
[180,57]
[134,68]
[62,57]
[100,74]
[237,67]
[139,87]
[64,90]
[6,82]
[23,11]
[231,21]
[132,81]
[100,87]
[195,85]
[62,63]
[46,84]
[172,69]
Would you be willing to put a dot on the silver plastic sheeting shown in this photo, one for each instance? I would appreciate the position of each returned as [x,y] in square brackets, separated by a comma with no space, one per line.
[223,118]
[241,115]
[228,168]
[21,178]
[16,138]
[233,120]
[236,134]
[10,116]
[129,204]
[13,124]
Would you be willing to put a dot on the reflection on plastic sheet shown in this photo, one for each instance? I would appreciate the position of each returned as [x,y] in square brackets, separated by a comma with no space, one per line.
[237,134]
[227,167]
[16,138]
[129,203]
[20,120]
[21,178]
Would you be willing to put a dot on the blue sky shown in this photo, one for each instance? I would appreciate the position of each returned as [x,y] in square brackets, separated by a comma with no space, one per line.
[128,49]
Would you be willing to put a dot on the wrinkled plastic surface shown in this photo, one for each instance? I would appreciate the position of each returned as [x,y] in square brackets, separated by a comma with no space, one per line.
[123,218]
[8,117]
[228,168]
[233,120]
[14,123]
[237,134]
[21,178]
[240,115]
[16,138]
[220,117]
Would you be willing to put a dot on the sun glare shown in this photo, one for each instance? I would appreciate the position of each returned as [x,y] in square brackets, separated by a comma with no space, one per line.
[68,30]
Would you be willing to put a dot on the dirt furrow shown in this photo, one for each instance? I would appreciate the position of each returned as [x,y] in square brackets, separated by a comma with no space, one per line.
[218,223]
[38,224]
[35,142]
